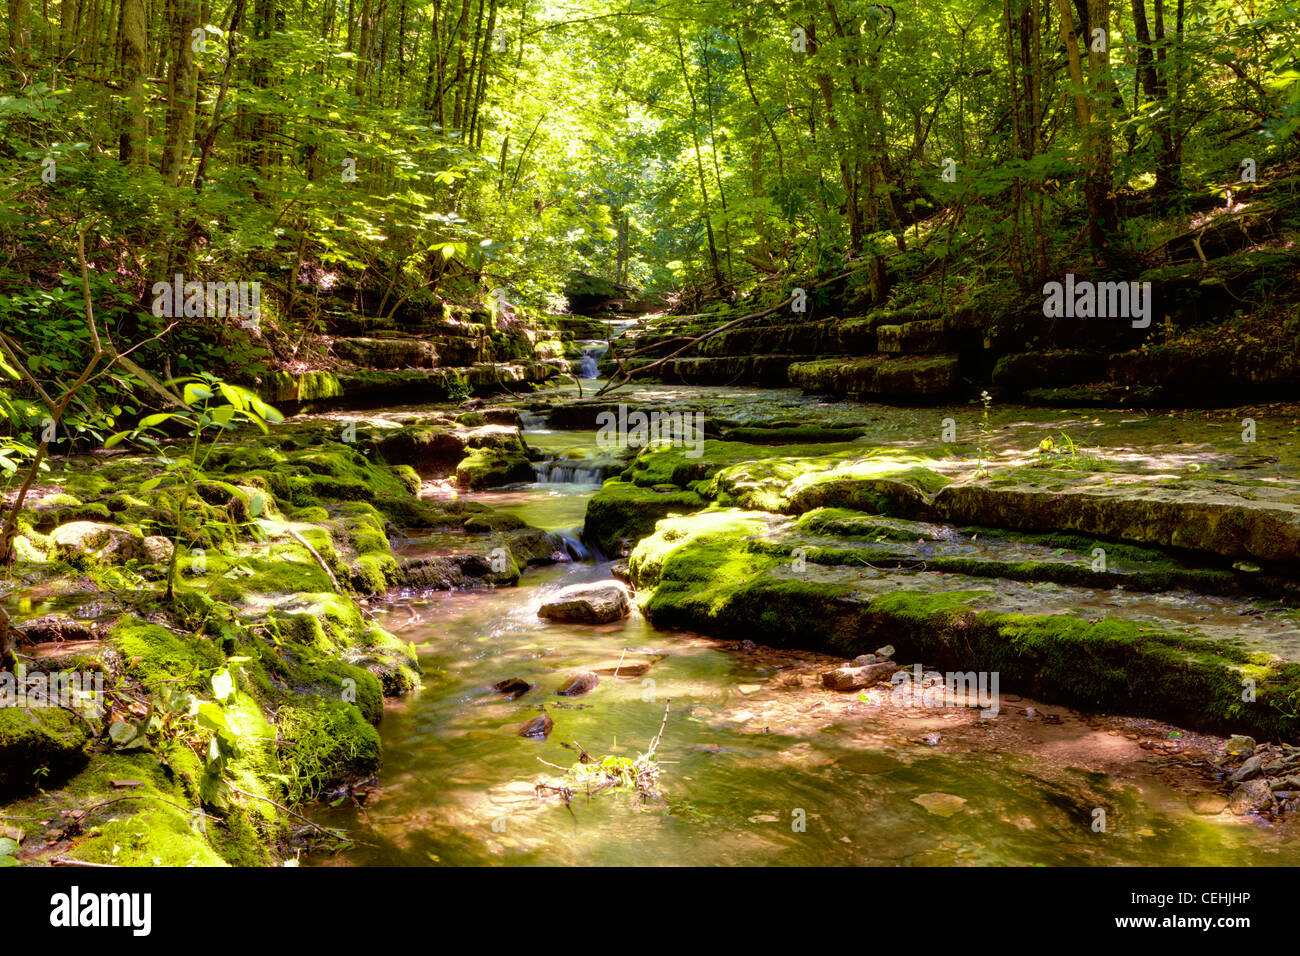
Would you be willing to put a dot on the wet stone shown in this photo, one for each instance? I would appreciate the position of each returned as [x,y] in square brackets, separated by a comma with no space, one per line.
[854,678]
[1248,770]
[513,687]
[1251,796]
[941,804]
[539,728]
[1239,746]
[1208,804]
[583,682]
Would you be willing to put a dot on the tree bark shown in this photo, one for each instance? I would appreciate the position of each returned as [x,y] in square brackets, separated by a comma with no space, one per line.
[134,129]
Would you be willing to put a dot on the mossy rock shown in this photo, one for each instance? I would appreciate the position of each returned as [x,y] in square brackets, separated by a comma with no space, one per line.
[487,523]
[493,467]
[426,447]
[325,743]
[622,513]
[39,747]
[154,655]
[710,573]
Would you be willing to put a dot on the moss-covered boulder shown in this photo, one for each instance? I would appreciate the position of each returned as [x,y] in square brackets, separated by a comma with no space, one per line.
[105,543]
[497,456]
[622,513]
[430,448]
[39,746]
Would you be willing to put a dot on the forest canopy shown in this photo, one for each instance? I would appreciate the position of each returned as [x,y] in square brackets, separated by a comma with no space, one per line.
[488,152]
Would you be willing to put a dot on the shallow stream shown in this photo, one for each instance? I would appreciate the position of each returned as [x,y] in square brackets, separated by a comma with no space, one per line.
[760,765]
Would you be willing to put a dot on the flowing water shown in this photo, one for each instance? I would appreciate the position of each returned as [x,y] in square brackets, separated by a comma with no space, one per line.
[760,766]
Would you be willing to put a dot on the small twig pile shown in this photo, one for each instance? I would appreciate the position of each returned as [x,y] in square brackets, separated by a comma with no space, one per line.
[610,774]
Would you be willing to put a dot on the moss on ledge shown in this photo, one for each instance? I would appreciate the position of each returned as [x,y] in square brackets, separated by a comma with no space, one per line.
[709,572]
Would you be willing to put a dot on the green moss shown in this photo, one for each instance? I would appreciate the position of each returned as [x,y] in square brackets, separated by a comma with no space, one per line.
[709,572]
[390,659]
[493,467]
[374,573]
[152,654]
[487,522]
[877,483]
[793,434]
[621,513]
[409,478]
[292,570]
[39,746]
[325,744]
[847,523]
[407,512]
[303,386]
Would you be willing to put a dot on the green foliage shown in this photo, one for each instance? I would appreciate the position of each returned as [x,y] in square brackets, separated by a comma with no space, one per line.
[212,408]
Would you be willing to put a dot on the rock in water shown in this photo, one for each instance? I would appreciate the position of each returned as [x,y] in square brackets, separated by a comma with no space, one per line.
[1208,804]
[588,604]
[539,728]
[583,682]
[853,678]
[941,804]
[1251,795]
[512,688]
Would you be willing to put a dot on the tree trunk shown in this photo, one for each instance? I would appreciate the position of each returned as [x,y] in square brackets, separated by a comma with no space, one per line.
[182,92]
[134,131]
[699,166]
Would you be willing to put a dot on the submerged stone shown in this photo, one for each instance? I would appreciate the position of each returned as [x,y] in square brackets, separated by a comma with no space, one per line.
[854,678]
[941,804]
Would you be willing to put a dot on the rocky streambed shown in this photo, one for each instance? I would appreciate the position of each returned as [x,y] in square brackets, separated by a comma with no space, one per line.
[1130,584]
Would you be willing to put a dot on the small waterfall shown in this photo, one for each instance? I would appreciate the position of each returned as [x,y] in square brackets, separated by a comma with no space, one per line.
[588,365]
[531,421]
[568,471]
[573,544]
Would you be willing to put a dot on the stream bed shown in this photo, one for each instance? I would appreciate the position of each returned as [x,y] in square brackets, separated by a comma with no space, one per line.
[760,764]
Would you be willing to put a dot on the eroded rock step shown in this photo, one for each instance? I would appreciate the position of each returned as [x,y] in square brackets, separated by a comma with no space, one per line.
[407,384]
[880,376]
[1174,655]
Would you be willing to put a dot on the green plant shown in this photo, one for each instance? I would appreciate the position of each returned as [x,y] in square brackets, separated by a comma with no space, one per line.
[212,408]
[458,387]
[174,715]
[636,775]
[1066,453]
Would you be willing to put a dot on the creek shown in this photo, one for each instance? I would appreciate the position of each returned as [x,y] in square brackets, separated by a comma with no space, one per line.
[760,764]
